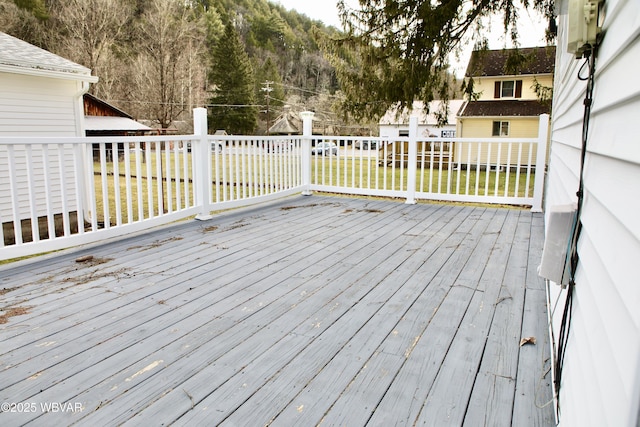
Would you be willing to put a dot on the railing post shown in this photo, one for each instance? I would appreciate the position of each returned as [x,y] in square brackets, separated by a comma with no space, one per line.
[201,163]
[305,153]
[412,161]
[541,159]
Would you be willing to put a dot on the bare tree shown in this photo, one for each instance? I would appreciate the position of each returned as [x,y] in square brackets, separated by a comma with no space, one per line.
[169,71]
[88,31]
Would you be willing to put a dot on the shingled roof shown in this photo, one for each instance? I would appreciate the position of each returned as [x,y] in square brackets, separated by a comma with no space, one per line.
[283,126]
[18,55]
[504,108]
[534,60]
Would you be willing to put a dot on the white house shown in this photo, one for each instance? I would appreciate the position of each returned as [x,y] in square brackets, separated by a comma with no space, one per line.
[40,95]
[395,123]
[600,382]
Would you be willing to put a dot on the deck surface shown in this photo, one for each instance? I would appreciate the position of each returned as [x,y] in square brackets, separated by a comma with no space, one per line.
[308,311]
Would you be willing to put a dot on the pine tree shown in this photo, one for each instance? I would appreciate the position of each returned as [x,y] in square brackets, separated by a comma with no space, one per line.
[398,51]
[232,80]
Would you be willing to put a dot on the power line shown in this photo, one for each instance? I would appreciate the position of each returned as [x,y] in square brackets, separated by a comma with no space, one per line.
[267,89]
[307,90]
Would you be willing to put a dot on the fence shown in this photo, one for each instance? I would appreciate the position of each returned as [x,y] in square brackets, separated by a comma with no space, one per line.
[489,170]
[60,192]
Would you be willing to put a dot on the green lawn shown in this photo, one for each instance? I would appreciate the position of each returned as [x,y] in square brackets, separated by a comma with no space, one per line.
[230,172]
[365,173]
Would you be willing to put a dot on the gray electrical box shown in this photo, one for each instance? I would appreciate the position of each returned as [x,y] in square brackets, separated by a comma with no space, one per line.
[555,264]
[585,23]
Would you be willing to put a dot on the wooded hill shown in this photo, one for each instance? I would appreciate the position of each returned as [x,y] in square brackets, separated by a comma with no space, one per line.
[158,59]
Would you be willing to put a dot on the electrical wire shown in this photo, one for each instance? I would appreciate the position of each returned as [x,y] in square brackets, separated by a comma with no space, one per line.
[590,57]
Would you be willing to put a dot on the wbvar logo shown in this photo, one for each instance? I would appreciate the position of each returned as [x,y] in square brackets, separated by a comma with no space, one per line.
[55,407]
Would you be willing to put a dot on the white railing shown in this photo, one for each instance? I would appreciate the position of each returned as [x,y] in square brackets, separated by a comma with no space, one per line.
[60,192]
[489,170]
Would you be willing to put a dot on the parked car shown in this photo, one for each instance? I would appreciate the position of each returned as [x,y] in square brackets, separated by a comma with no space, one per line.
[365,144]
[325,149]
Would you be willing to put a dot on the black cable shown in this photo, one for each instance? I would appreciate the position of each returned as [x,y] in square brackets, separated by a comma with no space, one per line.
[565,327]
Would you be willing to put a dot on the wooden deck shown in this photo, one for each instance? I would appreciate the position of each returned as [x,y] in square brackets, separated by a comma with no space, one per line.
[312,310]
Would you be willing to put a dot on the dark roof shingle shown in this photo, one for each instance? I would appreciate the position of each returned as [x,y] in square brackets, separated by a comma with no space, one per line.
[534,60]
[504,108]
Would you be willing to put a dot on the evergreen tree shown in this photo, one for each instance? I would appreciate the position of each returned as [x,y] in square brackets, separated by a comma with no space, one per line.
[232,82]
[398,51]
[36,7]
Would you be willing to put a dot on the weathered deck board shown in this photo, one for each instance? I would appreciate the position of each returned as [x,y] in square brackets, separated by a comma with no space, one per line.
[316,310]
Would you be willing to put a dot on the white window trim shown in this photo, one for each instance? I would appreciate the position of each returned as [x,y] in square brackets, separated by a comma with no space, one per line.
[513,89]
[502,123]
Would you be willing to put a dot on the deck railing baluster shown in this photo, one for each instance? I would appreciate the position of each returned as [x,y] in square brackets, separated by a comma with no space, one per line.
[180,178]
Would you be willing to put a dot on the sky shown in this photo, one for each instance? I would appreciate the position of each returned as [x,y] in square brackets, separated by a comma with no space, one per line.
[531,27]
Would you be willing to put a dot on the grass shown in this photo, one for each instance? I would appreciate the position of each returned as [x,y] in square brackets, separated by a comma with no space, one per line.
[232,173]
[233,177]
[365,173]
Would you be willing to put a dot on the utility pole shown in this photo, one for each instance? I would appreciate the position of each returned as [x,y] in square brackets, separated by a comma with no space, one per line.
[267,89]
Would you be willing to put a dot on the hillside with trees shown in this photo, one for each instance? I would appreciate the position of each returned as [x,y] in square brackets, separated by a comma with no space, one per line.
[158,59]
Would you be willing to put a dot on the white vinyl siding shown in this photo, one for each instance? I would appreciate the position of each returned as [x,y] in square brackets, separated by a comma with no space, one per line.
[601,376]
[37,106]
[31,106]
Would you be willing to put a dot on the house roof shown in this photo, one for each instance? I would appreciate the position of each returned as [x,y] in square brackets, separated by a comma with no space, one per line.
[395,117]
[533,60]
[112,123]
[504,108]
[21,57]
[283,126]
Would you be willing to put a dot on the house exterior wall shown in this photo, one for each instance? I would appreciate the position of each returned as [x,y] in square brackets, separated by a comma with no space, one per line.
[38,106]
[482,127]
[393,130]
[32,106]
[484,86]
[601,374]
[392,124]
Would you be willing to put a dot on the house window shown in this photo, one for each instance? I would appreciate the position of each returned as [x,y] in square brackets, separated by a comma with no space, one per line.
[500,128]
[508,89]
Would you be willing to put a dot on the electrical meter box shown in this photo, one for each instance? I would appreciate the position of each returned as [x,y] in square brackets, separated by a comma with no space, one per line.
[555,263]
[585,23]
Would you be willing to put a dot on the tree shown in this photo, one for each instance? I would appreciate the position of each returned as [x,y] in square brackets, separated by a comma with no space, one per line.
[36,7]
[396,51]
[232,82]
[86,31]
[169,68]
[23,19]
